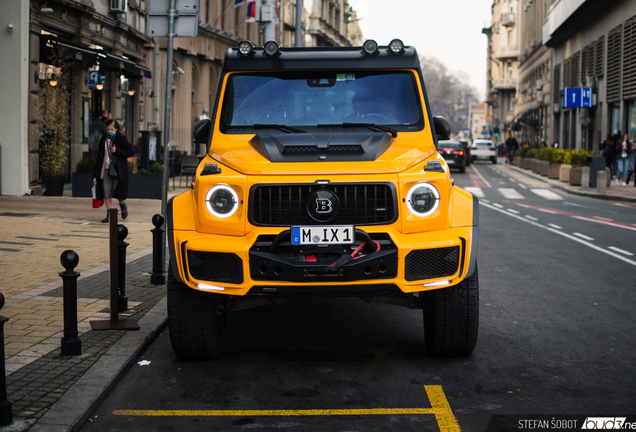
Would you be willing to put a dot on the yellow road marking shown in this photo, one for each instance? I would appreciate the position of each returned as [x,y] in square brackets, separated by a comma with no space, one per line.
[439,407]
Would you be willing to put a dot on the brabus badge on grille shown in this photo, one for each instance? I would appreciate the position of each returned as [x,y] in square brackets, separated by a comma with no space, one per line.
[323,205]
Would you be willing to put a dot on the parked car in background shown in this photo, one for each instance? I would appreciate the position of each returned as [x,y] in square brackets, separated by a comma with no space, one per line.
[466,145]
[483,150]
[454,154]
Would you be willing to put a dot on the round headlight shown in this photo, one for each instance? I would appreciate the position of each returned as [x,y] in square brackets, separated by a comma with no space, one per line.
[245,48]
[222,201]
[422,199]
[370,46]
[271,48]
[396,46]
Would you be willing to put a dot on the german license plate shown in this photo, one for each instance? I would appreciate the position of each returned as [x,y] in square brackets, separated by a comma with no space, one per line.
[317,235]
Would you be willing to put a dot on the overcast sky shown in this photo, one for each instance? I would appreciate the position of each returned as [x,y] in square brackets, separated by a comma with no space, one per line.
[449,30]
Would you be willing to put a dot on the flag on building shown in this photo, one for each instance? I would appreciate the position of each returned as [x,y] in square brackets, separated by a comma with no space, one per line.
[238,3]
[251,12]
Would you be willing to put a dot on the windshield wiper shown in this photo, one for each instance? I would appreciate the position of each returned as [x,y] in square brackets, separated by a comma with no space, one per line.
[287,129]
[371,126]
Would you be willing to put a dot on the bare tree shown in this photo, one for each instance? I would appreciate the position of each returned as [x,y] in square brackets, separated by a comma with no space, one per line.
[449,94]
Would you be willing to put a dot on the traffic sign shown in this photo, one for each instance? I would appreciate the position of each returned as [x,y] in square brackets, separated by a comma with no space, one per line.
[577,97]
[183,7]
[93,78]
[186,20]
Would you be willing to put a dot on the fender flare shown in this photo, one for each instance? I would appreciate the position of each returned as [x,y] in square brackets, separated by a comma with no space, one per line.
[475,239]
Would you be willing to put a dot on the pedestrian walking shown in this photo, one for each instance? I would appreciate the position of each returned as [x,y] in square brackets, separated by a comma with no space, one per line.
[608,151]
[631,162]
[618,141]
[111,168]
[622,161]
[512,146]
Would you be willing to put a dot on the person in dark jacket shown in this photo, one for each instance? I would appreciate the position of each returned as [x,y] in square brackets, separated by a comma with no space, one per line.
[512,145]
[113,148]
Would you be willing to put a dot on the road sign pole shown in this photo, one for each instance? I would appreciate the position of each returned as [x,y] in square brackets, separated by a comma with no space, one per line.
[166,137]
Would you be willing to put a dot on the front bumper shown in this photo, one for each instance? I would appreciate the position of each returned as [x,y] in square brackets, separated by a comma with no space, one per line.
[249,265]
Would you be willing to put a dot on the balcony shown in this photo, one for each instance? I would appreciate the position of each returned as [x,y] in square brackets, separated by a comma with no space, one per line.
[505,84]
[508,20]
[507,51]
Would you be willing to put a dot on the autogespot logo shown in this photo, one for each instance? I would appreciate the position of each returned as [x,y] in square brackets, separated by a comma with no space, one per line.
[323,205]
[608,423]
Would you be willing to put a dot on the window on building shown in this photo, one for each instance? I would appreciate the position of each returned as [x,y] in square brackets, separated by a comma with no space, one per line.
[630,124]
[615,118]
[510,41]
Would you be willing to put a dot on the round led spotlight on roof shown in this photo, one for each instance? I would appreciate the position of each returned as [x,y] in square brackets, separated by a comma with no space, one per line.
[396,46]
[245,48]
[271,48]
[370,46]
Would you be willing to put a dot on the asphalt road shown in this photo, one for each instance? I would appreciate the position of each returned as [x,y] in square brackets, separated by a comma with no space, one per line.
[556,338]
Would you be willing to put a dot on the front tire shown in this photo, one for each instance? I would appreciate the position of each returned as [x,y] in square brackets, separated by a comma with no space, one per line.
[451,319]
[198,330]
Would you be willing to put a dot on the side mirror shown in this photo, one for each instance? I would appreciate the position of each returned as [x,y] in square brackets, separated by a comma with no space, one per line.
[201,131]
[442,127]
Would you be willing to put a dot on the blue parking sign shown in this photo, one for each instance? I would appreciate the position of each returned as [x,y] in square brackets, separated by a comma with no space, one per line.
[577,97]
[93,77]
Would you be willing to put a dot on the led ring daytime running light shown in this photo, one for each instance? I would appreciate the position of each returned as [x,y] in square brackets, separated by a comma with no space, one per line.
[421,206]
[210,201]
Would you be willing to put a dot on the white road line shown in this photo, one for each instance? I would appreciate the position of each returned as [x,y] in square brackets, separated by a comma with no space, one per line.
[476,190]
[554,226]
[481,176]
[583,236]
[624,252]
[547,194]
[604,218]
[523,186]
[531,218]
[513,211]
[510,193]
[498,205]
[561,233]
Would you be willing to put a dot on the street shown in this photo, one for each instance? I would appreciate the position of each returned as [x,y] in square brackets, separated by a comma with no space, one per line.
[556,338]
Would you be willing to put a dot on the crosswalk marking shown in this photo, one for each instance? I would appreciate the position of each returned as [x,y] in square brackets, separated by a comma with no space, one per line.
[510,193]
[476,190]
[547,194]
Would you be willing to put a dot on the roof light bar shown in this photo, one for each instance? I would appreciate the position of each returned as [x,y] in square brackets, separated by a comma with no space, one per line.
[271,48]
[396,46]
[245,48]
[370,47]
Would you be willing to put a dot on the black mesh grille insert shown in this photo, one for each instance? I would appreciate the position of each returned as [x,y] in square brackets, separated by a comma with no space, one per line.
[215,266]
[286,205]
[431,263]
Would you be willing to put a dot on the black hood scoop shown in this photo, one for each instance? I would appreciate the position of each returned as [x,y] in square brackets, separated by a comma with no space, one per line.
[327,147]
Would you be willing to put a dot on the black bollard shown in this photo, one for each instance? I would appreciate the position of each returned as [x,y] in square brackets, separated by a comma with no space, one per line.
[157,276]
[6,416]
[122,233]
[71,344]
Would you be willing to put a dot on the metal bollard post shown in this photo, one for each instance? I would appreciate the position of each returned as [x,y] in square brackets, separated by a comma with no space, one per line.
[6,413]
[71,344]
[122,233]
[157,276]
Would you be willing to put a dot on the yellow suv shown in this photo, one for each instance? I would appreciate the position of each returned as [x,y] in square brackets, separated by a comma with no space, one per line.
[322,178]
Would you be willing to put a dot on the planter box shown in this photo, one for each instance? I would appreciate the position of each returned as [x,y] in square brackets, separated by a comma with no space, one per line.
[144,186]
[542,167]
[81,184]
[517,160]
[575,176]
[553,170]
[564,172]
[529,163]
[139,185]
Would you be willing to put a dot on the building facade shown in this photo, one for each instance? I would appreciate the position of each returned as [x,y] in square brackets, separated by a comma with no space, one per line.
[533,109]
[502,65]
[593,45]
[328,23]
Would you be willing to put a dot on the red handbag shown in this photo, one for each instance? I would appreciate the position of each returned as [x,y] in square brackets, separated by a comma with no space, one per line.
[96,203]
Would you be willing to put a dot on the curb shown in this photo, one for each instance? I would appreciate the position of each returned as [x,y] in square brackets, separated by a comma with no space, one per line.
[70,412]
[558,185]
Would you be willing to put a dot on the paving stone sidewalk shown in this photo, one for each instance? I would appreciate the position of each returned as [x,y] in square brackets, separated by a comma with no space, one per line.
[36,387]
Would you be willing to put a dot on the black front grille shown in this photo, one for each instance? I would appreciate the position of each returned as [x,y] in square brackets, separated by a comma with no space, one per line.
[431,263]
[215,267]
[286,205]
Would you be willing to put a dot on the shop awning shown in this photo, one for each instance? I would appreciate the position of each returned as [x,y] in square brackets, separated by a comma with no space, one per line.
[48,45]
[111,63]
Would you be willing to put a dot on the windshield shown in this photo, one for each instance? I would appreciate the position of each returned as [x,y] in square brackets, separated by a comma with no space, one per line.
[307,99]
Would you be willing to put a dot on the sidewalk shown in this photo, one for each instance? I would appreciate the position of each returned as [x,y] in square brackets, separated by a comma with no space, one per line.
[50,392]
[613,193]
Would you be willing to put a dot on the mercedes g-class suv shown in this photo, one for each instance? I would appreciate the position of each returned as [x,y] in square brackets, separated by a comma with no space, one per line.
[322,178]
